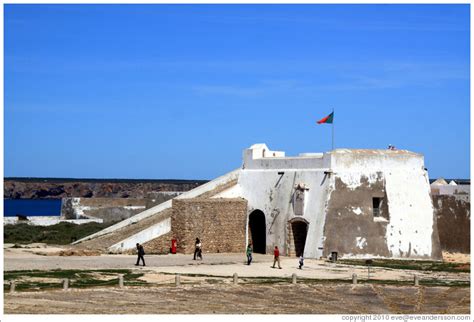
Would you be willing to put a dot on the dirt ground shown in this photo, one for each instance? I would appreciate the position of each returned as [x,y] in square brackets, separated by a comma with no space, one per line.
[205,294]
[456,257]
[245,299]
[212,264]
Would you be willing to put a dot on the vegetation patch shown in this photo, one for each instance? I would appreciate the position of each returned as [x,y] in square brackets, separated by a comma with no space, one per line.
[28,280]
[300,280]
[60,234]
[419,265]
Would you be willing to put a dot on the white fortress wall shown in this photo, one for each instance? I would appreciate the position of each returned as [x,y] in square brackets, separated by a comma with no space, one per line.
[410,228]
[154,231]
[267,190]
[411,214]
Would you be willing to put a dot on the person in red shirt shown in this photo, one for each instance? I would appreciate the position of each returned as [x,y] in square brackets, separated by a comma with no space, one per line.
[276,258]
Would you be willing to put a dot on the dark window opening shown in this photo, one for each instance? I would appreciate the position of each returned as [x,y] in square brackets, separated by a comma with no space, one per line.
[379,211]
[376,206]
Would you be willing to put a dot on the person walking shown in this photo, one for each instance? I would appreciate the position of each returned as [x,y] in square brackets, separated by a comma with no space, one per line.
[199,254]
[301,261]
[276,258]
[249,254]
[140,253]
[197,249]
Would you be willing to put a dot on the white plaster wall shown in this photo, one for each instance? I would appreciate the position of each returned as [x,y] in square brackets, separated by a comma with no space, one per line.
[411,213]
[351,160]
[410,227]
[152,232]
[233,192]
[264,190]
[258,156]
[297,163]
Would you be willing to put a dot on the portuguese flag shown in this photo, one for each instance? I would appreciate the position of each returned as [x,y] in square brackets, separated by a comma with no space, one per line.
[328,119]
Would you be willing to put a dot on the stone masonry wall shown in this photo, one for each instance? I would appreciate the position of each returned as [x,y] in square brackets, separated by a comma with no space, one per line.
[160,245]
[219,223]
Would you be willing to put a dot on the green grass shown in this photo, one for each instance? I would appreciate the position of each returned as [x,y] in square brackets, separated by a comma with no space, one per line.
[419,265]
[59,234]
[69,273]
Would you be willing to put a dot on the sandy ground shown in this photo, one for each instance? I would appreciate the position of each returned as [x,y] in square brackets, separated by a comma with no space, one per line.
[244,299]
[204,294]
[456,257]
[212,264]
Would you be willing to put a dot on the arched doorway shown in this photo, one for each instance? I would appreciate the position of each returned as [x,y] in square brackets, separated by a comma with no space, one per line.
[299,229]
[258,231]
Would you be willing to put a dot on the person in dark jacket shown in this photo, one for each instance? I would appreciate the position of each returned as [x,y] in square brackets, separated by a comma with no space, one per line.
[197,248]
[301,262]
[141,253]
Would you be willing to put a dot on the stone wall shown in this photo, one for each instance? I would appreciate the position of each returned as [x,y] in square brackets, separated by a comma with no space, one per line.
[454,223]
[160,245]
[219,223]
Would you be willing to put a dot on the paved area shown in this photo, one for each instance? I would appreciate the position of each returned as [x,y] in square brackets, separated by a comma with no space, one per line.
[245,299]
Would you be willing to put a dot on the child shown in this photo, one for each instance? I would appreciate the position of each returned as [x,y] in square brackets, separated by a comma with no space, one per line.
[301,262]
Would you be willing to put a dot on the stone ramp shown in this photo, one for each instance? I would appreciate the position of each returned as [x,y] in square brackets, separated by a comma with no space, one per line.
[128,231]
[103,242]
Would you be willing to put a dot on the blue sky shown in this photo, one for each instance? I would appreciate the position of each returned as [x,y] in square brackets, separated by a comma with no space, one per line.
[178,91]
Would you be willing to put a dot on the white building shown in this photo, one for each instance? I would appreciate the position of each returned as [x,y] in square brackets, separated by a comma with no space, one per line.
[358,203]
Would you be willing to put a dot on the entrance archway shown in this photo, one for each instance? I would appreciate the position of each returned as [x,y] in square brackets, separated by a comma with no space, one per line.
[258,231]
[299,229]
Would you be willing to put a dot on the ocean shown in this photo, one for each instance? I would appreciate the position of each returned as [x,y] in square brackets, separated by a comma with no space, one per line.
[31,207]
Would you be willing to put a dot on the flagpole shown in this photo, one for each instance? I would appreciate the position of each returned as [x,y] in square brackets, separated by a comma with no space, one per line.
[332,128]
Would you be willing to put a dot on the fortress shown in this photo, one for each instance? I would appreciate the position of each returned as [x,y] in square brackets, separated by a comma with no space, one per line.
[358,203]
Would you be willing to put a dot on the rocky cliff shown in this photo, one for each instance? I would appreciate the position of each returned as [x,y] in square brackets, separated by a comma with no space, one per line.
[48,188]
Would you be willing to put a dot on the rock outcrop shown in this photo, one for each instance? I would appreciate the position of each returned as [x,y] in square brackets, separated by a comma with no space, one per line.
[39,188]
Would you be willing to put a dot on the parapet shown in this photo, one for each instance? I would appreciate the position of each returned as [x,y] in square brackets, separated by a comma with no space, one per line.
[260,157]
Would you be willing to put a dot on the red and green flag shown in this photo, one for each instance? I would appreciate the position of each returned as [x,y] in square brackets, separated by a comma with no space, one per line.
[328,119]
